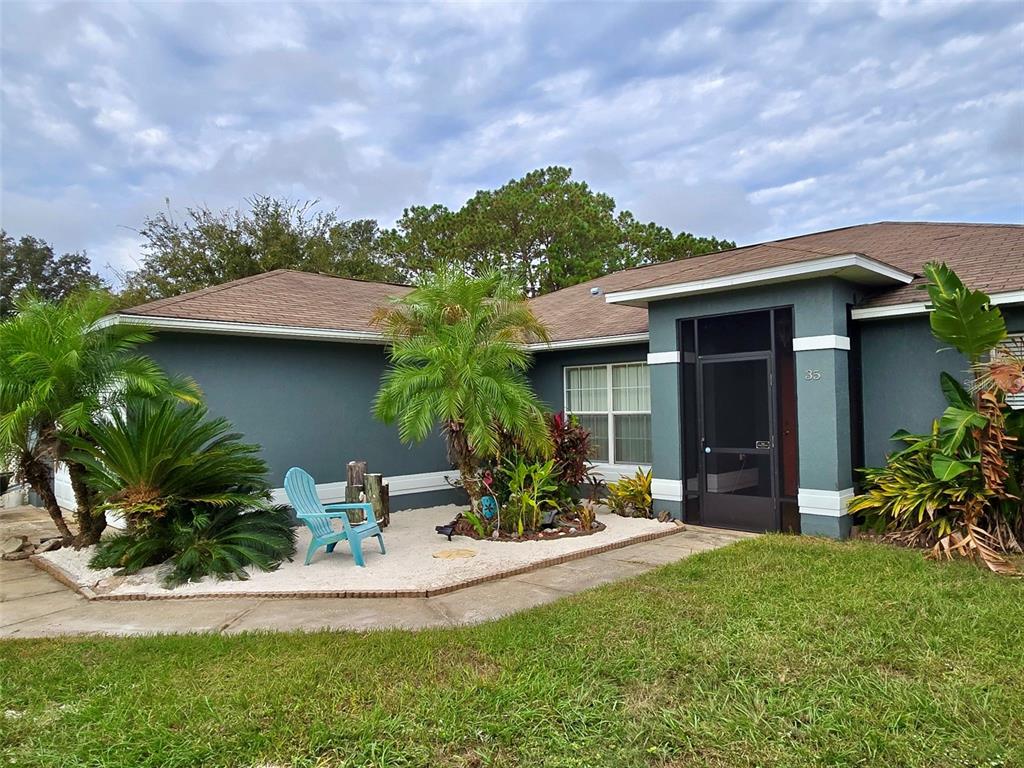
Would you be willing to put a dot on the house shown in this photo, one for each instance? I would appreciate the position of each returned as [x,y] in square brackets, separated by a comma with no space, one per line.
[753,381]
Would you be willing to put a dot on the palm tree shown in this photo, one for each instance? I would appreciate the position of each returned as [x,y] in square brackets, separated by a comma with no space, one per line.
[458,360]
[61,369]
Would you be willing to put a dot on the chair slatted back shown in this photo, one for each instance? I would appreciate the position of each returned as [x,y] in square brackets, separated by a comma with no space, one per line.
[301,490]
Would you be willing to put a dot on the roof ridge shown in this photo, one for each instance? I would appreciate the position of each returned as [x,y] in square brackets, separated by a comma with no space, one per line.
[343,277]
[952,223]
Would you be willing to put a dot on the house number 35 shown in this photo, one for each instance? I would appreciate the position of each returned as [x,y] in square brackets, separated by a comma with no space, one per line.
[812,375]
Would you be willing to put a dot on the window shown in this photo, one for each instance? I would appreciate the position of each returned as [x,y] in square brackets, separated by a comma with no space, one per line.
[1015,346]
[613,402]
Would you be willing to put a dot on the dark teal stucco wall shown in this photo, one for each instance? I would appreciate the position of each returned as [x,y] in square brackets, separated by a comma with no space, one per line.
[546,373]
[307,403]
[901,363]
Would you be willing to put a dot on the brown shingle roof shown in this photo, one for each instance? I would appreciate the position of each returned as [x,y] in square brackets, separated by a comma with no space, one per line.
[281,297]
[986,256]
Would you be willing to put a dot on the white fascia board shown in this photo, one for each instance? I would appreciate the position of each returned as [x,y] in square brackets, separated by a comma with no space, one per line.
[246,329]
[326,334]
[597,341]
[807,343]
[801,270]
[921,307]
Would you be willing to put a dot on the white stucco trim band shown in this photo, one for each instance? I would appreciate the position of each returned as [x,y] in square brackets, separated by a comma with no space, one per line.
[661,358]
[921,307]
[807,343]
[398,485]
[667,490]
[827,503]
[853,266]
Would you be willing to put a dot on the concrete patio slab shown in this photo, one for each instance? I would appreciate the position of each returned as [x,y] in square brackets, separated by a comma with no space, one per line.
[26,608]
[338,613]
[25,586]
[583,574]
[135,618]
[486,602]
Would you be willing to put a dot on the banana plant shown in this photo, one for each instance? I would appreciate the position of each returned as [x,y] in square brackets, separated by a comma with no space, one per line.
[965,319]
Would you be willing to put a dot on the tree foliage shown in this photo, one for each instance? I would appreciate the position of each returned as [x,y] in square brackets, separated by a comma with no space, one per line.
[547,230]
[206,247]
[30,264]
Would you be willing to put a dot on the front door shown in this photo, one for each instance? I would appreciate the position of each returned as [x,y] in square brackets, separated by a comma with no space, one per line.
[737,426]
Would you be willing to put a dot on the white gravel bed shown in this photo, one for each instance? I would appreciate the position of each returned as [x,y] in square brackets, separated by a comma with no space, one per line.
[409,564]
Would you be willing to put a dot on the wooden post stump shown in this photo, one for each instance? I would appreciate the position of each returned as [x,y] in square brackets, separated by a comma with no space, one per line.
[377,495]
[354,480]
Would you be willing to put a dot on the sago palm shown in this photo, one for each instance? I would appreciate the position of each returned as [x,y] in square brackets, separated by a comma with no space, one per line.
[60,370]
[458,360]
[156,455]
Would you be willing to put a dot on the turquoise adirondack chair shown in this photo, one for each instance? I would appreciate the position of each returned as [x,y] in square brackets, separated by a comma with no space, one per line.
[301,490]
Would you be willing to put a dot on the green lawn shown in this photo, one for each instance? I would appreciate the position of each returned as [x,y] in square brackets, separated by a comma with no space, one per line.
[776,651]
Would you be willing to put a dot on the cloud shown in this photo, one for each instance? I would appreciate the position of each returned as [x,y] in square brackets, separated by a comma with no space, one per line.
[746,121]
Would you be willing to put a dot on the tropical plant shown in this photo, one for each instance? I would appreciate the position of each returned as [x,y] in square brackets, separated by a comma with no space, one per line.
[61,370]
[632,496]
[458,360]
[477,521]
[571,448]
[907,494]
[587,513]
[219,541]
[532,492]
[157,456]
[959,489]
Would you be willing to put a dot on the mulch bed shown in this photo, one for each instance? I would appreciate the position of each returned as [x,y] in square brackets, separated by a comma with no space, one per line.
[560,530]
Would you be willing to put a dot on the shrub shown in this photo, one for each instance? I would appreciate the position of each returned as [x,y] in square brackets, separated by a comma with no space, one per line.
[159,455]
[572,448]
[631,496]
[193,493]
[218,542]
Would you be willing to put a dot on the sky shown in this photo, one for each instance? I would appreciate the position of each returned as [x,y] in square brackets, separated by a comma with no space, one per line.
[749,121]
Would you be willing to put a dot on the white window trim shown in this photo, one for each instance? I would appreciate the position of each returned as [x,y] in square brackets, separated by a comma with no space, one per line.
[1015,341]
[611,413]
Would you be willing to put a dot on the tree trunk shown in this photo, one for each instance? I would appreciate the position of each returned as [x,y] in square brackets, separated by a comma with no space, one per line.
[377,495]
[90,523]
[37,475]
[461,457]
[355,473]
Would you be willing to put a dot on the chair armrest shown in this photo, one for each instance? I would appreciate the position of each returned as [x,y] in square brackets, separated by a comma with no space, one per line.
[319,516]
[366,506]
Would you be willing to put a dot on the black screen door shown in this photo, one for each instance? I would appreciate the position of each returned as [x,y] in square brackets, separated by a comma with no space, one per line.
[737,441]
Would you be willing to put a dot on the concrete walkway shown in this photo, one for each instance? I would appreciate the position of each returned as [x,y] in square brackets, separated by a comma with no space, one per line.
[33,604]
